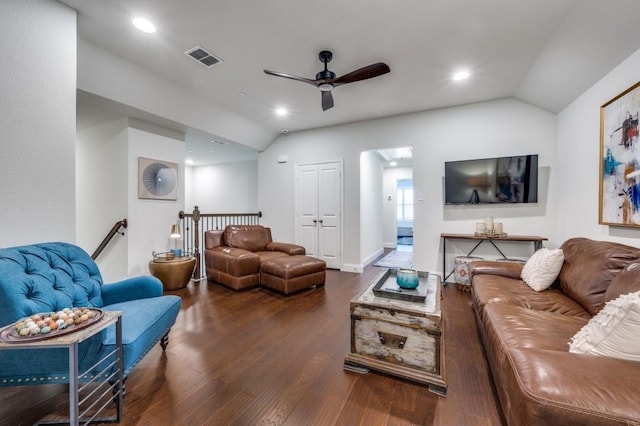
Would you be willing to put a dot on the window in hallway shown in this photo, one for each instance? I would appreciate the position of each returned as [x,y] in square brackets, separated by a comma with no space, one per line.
[404,211]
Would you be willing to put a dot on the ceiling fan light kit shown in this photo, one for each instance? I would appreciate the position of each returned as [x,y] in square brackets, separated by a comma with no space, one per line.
[326,80]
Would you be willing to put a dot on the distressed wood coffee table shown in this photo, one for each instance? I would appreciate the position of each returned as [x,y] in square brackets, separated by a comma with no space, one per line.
[399,337]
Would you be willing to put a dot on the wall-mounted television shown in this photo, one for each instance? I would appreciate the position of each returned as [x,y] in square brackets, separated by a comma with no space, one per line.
[492,180]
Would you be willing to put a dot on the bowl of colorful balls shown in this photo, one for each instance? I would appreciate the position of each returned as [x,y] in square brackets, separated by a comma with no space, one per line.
[50,324]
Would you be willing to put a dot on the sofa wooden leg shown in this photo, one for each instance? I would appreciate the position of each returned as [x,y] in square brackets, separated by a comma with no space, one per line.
[164,341]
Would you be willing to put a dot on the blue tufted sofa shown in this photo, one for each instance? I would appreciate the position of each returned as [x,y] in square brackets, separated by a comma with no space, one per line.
[51,276]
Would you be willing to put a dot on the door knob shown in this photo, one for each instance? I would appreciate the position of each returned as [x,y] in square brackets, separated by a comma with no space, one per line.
[320,221]
[315,220]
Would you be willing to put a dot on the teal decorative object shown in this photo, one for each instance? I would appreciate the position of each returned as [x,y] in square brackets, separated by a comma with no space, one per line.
[407,278]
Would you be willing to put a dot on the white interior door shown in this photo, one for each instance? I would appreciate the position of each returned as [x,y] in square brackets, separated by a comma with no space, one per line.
[319,211]
[307,208]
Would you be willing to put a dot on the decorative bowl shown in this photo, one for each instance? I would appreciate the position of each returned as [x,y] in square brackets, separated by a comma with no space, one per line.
[407,278]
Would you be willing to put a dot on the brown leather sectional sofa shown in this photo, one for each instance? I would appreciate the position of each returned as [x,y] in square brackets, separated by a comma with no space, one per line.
[526,336]
[245,256]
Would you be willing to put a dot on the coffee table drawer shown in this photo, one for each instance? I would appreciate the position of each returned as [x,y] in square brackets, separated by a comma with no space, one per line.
[396,343]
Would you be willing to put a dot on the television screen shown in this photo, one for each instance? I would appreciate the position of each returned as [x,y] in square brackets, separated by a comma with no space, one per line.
[492,180]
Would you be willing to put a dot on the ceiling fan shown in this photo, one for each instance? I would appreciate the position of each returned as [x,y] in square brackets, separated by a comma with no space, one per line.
[326,80]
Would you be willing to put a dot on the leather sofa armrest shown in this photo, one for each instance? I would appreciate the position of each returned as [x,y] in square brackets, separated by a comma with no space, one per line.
[234,261]
[489,267]
[142,287]
[288,248]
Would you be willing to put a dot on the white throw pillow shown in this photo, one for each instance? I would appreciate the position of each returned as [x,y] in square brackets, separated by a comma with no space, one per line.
[613,332]
[542,268]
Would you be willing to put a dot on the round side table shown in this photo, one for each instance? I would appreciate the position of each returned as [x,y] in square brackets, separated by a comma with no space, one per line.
[175,274]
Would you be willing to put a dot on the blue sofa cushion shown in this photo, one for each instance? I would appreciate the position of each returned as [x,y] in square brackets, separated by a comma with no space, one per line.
[144,322]
[44,278]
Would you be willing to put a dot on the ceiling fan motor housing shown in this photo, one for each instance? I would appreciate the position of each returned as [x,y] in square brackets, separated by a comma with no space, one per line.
[325,57]
[325,75]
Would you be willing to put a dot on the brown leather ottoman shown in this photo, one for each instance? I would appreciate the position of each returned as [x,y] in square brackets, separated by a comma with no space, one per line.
[292,273]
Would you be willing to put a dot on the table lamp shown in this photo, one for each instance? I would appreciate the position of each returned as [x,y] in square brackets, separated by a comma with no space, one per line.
[175,234]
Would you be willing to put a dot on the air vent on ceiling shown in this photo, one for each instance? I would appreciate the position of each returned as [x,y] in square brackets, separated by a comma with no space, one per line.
[201,55]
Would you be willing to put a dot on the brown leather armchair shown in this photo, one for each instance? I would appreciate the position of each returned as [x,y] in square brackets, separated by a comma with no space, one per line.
[233,257]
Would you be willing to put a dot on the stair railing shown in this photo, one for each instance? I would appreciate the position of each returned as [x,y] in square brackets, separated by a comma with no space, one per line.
[114,230]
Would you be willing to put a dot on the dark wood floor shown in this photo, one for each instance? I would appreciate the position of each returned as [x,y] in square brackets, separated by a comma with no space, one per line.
[261,358]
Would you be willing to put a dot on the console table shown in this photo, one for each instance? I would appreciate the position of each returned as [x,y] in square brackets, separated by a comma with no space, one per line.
[537,244]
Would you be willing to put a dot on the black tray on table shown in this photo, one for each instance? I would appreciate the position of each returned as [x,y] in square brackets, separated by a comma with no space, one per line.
[387,287]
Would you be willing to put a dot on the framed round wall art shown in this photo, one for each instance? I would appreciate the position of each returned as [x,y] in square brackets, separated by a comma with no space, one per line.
[157,180]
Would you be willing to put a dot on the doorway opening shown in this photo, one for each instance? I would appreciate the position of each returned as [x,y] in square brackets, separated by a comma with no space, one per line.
[380,172]
[404,214]
[397,197]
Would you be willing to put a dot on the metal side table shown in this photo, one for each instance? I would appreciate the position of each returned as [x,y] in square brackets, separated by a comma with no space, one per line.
[111,388]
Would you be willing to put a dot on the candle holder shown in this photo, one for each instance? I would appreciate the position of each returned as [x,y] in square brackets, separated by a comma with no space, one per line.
[494,231]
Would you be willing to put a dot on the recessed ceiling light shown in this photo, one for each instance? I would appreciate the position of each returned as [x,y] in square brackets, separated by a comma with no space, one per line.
[461,75]
[242,94]
[189,162]
[281,112]
[144,25]
[393,164]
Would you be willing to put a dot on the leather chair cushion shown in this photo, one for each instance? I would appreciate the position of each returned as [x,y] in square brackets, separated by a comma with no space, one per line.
[233,261]
[293,266]
[213,239]
[627,281]
[248,237]
[493,289]
[540,382]
[267,255]
[589,266]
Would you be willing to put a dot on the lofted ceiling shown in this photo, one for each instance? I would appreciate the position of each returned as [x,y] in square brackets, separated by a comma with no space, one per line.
[543,52]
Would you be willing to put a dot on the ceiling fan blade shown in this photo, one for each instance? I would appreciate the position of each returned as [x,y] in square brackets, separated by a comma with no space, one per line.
[292,77]
[327,100]
[370,71]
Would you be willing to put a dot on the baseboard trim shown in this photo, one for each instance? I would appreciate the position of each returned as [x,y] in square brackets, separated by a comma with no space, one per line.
[352,267]
[373,256]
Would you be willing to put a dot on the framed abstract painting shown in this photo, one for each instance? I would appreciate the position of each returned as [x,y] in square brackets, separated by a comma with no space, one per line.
[620,160]
[157,180]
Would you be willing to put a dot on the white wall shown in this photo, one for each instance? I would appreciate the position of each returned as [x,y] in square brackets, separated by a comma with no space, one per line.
[108,192]
[107,75]
[391,176]
[496,128]
[371,222]
[37,122]
[102,182]
[150,220]
[579,159]
[223,188]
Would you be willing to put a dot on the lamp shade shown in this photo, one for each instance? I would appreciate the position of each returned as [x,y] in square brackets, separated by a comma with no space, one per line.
[175,231]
